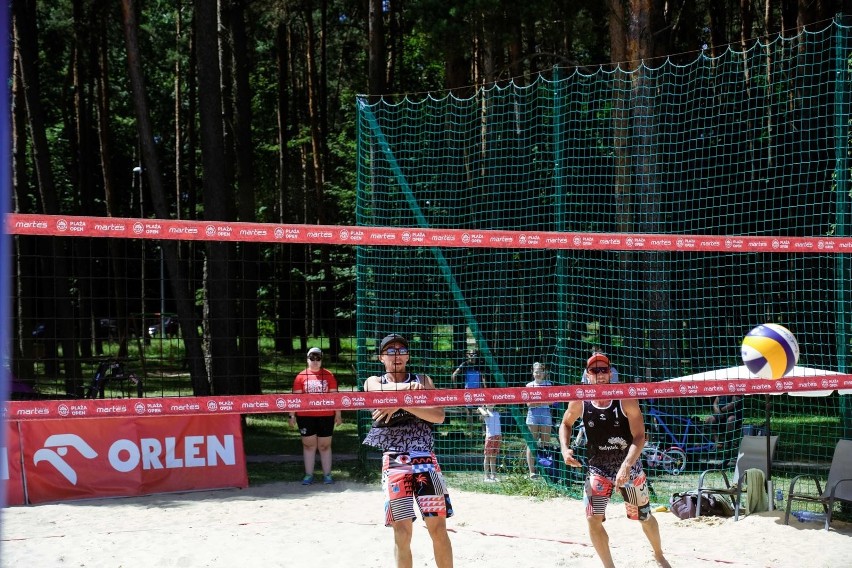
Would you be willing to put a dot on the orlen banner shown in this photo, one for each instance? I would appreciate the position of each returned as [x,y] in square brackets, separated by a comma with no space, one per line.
[11,477]
[112,457]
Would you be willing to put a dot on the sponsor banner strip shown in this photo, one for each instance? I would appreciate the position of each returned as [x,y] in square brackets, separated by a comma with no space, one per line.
[357,400]
[174,229]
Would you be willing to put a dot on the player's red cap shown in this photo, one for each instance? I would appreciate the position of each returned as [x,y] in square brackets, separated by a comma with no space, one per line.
[598,359]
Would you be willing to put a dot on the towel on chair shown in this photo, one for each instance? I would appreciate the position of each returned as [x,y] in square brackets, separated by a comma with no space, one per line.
[756,498]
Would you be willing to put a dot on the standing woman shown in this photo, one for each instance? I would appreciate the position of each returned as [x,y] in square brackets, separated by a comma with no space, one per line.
[316,426]
[539,419]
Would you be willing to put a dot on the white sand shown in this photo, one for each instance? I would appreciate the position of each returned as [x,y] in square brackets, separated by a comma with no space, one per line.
[285,524]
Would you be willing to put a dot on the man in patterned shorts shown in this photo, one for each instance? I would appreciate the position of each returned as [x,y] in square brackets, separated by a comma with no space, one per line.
[410,470]
[615,434]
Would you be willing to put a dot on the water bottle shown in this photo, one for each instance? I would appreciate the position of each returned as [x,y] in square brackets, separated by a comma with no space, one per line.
[804,516]
[779,499]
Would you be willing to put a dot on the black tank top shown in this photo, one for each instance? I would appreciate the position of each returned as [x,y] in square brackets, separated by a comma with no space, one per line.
[608,435]
[400,416]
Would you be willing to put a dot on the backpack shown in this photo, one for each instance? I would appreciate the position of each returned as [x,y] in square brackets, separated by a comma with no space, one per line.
[712,505]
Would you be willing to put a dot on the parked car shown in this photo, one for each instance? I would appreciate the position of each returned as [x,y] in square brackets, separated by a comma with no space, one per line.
[169,324]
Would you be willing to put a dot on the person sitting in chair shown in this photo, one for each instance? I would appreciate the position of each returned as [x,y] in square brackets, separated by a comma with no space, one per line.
[727,416]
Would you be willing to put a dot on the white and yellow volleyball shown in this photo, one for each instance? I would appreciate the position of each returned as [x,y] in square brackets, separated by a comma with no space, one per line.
[770,351]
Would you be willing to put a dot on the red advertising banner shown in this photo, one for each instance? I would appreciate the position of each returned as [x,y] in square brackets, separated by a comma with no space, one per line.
[11,474]
[181,229]
[41,410]
[117,457]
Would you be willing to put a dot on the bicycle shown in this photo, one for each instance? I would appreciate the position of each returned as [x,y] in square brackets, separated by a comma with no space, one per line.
[112,372]
[671,461]
[654,458]
[682,436]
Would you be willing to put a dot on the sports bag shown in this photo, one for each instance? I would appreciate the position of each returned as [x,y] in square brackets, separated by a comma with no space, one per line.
[712,505]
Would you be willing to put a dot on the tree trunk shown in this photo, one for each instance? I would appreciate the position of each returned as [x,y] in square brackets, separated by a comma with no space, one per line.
[283,268]
[178,277]
[250,258]
[25,351]
[115,195]
[376,51]
[55,270]
[217,203]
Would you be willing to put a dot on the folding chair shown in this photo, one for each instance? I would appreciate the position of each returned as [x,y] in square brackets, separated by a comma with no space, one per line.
[837,488]
[752,454]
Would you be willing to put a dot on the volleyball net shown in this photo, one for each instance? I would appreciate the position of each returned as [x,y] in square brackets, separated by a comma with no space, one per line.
[656,214]
[442,329]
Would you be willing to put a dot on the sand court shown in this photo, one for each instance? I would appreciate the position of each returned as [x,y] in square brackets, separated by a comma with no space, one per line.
[289,525]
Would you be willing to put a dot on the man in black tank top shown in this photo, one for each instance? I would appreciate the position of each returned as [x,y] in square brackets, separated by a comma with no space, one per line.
[615,434]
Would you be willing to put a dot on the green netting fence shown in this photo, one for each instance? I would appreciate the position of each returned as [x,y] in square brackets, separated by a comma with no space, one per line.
[747,143]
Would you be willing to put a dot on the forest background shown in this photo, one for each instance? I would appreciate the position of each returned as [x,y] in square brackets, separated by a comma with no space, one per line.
[245,111]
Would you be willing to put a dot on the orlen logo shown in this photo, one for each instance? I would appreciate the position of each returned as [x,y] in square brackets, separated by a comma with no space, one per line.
[149,453]
[54,457]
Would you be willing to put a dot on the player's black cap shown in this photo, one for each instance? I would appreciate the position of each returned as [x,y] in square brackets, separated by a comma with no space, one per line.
[393,337]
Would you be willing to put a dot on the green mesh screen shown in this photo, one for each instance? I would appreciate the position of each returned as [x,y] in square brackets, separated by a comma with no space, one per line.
[750,143]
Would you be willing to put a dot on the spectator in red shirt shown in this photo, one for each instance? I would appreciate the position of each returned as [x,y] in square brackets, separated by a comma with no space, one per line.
[316,426]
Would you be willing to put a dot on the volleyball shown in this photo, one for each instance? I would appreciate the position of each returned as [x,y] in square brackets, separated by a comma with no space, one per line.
[770,351]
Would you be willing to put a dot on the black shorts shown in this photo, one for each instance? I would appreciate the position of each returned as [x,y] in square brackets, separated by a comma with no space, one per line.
[319,426]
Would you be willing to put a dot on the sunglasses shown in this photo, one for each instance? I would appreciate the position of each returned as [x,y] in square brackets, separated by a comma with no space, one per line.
[598,370]
[314,357]
[396,351]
